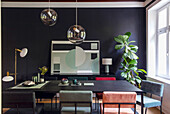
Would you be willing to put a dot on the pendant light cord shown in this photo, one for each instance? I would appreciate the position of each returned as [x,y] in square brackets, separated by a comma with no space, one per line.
[76,13]
[49,4]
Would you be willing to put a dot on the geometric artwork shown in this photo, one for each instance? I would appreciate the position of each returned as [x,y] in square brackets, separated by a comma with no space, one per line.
[67,58]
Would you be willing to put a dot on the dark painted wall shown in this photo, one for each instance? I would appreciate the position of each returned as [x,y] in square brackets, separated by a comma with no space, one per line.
[23,28]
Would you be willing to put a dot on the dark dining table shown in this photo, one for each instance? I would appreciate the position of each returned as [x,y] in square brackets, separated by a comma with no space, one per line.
[53,87]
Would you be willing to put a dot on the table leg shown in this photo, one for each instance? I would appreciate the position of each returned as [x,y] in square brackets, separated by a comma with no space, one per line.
[141,103]
[51,105]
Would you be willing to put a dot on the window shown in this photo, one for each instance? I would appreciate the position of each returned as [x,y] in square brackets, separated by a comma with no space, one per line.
[163,42]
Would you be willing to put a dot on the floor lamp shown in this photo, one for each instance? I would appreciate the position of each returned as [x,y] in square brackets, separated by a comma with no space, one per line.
[8,78]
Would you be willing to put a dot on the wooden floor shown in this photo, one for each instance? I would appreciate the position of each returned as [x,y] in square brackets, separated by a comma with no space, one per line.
[149,111]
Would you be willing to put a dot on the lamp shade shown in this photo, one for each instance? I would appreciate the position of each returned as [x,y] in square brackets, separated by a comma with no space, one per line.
[7,78]
[106,61]
[23,52]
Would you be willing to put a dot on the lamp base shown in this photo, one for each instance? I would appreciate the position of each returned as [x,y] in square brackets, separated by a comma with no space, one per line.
[107,69]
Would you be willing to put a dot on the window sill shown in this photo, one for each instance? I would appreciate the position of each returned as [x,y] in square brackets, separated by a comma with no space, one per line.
[156,78]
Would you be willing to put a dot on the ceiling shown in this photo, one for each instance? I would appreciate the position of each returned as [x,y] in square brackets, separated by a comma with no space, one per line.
[73,0]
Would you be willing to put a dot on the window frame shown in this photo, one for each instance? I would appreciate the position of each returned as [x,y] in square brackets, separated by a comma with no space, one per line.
[160,31]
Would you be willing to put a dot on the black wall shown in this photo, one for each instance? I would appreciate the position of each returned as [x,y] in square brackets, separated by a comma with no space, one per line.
[22,27]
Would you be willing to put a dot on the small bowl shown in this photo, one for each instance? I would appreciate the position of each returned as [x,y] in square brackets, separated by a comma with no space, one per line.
[64,81]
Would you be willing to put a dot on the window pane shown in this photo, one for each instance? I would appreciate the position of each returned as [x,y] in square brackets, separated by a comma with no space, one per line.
[169,53]
[162,58]
[162,17]
[169,15]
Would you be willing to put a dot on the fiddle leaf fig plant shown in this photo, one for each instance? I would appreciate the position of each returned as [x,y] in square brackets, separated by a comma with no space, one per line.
[129,65]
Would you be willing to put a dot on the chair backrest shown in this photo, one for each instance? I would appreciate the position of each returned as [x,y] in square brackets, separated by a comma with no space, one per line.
[82,98]
[105,78]
[76,96]
[78,78]
[119,97]
[152,87]
[13,99]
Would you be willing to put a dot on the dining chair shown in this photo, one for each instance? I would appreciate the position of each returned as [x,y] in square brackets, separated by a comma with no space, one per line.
[100,95]
[152,88]
[118,102]
[20,103]
[75,102]
[70,79]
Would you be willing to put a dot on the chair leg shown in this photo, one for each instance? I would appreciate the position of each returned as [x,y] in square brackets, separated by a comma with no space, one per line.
[161,109]
[146,110]
[59,108]
[17,109]
[56,103]
[95,102]
[51,104]
[135,109]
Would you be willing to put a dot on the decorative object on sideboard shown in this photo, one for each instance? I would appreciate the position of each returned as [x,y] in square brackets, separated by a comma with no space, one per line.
[23,53]
[49,16]
[76,33]
[43,70]
[129,65]
[64,81]
[107,62]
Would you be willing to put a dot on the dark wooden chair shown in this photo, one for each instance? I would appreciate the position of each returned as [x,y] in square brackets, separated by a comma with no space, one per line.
[20,102]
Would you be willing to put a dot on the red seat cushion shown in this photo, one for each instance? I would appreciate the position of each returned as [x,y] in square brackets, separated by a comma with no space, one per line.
[100,95]
[105,78]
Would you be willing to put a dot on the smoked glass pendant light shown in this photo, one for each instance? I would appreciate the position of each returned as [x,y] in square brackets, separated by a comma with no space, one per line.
[49,16]
[76,33]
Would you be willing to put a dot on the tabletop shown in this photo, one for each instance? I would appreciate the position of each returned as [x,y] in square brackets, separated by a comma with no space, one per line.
[99,86]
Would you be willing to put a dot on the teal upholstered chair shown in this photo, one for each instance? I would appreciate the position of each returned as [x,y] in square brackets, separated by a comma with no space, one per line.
[70,79]
[151,88]
[75,102]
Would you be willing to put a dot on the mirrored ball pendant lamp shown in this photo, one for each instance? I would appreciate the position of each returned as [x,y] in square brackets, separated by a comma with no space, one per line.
[49,16]
[76,33]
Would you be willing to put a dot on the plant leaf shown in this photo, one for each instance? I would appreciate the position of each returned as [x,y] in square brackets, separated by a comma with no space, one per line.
[133,61]
[138,77]
[134,48]
[138,81]
[119,46]
[136,73]
[128,34]
[135,56]
[118,39]
[133,68]
[125,37]
[142,70]
[131,42]
[124,74]
[125,60]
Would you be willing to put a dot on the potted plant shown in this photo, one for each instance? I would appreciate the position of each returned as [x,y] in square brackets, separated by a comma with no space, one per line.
[129,64]
[43,70]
